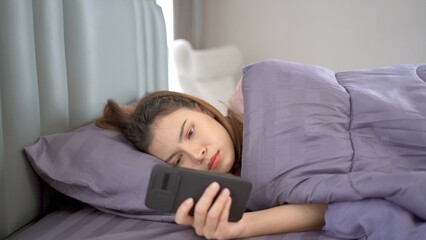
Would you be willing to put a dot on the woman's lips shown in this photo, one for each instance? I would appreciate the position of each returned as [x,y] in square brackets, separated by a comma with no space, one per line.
[214,161]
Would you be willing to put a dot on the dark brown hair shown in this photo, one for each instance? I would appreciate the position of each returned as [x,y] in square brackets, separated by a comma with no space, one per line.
[135,122]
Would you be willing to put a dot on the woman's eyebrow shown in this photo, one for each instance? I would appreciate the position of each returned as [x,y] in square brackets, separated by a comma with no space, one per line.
[182,128]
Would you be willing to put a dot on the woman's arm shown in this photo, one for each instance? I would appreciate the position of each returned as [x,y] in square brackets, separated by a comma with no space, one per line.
[211,220]
[285,218]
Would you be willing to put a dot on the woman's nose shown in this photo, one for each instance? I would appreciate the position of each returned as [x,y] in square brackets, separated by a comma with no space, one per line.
[198,154]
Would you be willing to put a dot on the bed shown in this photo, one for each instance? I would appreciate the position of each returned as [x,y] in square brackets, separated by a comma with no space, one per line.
[60,62]
[61,176]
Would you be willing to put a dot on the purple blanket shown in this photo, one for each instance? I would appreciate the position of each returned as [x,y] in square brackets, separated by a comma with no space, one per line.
[355,140]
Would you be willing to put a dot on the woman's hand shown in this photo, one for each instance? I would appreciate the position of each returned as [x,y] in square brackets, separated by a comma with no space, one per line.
[210,218]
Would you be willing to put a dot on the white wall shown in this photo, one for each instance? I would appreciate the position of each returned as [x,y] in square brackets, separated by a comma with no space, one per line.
[338,34]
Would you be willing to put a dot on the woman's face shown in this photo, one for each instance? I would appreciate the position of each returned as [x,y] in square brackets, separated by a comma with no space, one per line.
[193,139]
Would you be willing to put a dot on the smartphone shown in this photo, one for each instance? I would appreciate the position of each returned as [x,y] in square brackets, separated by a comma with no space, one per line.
[169,186]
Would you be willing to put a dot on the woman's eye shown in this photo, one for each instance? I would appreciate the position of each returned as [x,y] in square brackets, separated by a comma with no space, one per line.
[178,161]
[190,132]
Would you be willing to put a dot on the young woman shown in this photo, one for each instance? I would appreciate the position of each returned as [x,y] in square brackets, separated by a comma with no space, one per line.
[185,131]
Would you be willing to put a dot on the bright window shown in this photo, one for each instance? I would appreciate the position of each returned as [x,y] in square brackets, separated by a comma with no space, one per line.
[167,7]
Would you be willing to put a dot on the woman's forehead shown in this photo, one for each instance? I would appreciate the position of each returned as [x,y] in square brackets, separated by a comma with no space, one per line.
[166,131]
[182,113]
[171,123]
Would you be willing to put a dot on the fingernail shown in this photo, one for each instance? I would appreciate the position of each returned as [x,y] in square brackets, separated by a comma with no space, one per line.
[188,201]
[214,186]
[226,192]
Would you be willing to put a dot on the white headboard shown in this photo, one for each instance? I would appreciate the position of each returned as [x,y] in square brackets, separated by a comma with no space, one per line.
[59,63]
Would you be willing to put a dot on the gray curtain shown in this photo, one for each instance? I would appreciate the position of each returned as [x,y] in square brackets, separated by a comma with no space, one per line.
[60,60]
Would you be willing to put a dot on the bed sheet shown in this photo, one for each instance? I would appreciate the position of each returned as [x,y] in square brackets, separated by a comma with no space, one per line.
[84,222]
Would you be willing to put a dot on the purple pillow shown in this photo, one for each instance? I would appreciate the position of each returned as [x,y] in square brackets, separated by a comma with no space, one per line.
[99,167]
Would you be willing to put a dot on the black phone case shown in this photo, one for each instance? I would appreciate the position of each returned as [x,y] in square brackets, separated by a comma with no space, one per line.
[169,186]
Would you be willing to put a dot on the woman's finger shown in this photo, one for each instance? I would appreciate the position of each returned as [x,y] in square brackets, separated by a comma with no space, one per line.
[215,213]
[225,213]
[203,205]
[182,216]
